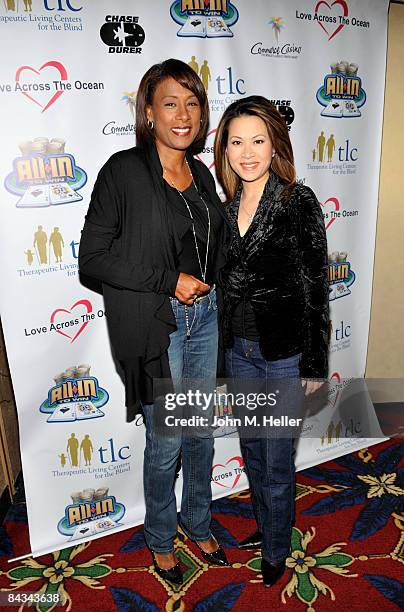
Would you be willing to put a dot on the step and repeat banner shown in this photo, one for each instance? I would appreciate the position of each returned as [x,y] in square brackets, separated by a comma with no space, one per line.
[68,83]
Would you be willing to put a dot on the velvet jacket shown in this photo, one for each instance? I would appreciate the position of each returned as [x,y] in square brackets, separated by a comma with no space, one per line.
[280,267]
[129,242]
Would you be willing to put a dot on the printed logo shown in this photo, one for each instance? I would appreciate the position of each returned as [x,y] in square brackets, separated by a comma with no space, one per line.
[122,34]
[113,128]
[206,156]
[93,511]
[46,251]
[45,175]
[332,17]
[204,18]
[228,84]
[44,85]
[226,476]
[70,322]
[81,453]
[332,212]
[340,275]
[76,396]
[339,336]
[285,109]
[341,93]
[285,50]
[30,12]
[340,158]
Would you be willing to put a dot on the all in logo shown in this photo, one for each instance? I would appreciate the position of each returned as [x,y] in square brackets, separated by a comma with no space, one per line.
[340,275]
[76,396]
[92,511]
[204,18]
[45,175]
[342,93]
[122,34]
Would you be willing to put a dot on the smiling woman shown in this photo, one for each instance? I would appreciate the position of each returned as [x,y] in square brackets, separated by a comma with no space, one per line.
[153,236]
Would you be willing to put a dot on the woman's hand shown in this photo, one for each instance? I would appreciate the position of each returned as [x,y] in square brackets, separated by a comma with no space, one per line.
[189,288]
[311,385]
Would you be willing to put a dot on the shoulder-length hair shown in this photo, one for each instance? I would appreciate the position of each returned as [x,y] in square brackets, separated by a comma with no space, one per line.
[282,163]
[185,76]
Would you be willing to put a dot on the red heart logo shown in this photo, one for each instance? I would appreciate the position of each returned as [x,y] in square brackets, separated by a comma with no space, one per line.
[89,308]
[62,77]
[339,27]
[206,158]
[240,464]
[335,376]
[334,206]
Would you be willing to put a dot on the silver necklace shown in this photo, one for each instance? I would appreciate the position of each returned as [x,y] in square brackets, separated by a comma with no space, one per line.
[204,269]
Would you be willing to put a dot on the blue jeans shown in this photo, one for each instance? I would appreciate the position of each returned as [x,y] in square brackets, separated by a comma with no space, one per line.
[269,461]
[193,358]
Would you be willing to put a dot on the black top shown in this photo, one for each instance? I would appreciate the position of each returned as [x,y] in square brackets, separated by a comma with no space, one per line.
[187,258]
[129,242]
[243,322]
[280,268]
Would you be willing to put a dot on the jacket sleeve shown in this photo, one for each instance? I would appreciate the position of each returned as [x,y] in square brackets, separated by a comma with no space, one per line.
[97,256]
[312,243]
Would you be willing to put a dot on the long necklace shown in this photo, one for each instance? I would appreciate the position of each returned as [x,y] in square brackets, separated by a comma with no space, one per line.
[202,269]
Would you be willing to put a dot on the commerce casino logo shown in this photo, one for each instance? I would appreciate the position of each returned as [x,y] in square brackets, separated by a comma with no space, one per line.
[76,396]
[341,93]
[122,34]
[204,18]
[93,511]
[45,175]
[340,275]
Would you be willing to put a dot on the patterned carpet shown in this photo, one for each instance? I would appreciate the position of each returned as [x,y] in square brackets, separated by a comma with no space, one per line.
[347,552]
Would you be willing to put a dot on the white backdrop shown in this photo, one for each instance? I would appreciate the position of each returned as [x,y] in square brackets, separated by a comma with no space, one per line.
[68,83]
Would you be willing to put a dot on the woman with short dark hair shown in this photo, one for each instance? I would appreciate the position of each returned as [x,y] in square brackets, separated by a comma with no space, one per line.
[275,295]
[153,236]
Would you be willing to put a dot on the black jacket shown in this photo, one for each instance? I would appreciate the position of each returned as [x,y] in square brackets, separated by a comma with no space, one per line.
[280,267]
[129,242]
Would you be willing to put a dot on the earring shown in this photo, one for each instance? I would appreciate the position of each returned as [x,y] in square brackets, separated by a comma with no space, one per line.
[150,124]
[273,154]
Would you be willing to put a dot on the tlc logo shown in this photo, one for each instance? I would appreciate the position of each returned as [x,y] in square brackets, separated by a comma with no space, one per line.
[59,4]
[342,332]
[347,153]
[110,454]
[229,84]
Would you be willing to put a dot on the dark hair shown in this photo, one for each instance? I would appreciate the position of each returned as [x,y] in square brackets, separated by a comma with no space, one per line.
[282,163]
[185,76]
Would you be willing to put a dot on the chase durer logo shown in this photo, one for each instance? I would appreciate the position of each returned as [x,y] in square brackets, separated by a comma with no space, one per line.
[45,175]
[204,18]
[341,93]
[122,34]
[76,396]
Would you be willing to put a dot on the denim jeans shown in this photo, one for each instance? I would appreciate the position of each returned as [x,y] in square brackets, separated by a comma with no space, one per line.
[193,358]
[269,461]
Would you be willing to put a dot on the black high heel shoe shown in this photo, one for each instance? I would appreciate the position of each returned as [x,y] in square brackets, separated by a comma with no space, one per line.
[173,574]
[271,573]
[254,540]
[217,557]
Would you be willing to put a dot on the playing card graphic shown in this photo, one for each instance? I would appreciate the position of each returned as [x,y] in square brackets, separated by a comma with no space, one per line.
[334,109]
[195,25]
[36,196]
[216,27]
[62,193]
[350,109]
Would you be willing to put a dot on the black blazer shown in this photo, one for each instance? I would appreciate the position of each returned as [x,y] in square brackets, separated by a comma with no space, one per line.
[280,267]
[129,243]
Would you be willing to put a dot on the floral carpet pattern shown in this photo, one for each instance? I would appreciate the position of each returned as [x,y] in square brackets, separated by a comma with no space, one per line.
[347,553]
